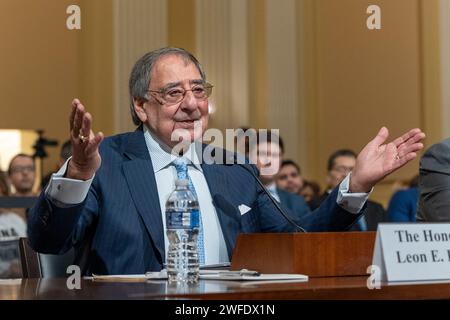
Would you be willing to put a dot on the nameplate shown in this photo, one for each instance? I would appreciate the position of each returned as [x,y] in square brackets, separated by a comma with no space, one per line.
[412,251]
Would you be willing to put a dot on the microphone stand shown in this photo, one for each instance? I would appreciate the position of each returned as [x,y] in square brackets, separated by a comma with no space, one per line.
[274,201]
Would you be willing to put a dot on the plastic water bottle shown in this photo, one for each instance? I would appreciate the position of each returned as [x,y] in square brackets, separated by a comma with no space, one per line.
[182,225]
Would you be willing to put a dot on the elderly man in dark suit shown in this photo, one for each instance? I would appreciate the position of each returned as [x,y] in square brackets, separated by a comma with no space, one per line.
[108,200]
[434,184]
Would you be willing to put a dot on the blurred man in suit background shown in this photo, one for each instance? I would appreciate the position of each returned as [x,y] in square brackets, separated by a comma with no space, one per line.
[22,174]
[340,164]
[311,193]
[268,152]
[403,203]
[289,177]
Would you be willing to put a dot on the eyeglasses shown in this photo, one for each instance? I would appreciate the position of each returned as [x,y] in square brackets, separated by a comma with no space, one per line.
[176,94]
[29,169]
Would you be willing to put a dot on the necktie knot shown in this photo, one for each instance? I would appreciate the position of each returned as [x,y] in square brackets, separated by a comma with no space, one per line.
[181,167]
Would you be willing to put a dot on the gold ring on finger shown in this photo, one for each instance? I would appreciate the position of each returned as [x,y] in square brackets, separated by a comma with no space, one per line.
[82,137]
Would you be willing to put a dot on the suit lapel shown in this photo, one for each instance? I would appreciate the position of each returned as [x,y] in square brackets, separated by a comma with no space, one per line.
[285,201]
[141,181]
[218,185]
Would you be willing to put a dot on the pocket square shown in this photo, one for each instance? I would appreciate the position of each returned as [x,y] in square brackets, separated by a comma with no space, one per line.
[243,209]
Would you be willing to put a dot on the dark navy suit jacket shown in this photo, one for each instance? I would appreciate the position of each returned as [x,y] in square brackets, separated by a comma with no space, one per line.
[294,205]
[118,228]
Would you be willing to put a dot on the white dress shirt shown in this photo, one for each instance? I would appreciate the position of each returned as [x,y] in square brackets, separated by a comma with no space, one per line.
[65,192]
[166,174]
[272,188]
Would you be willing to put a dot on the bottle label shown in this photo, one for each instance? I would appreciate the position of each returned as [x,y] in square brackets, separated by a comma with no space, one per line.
[182,219]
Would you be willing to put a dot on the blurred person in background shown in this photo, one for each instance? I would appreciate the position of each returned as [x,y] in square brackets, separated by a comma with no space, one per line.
[22,175]
[241,141]
[64,154]
[289,177]
[403,204]
[268,153]
[12,225]
[340,164]
[4,185]
[311,193]
[401,184]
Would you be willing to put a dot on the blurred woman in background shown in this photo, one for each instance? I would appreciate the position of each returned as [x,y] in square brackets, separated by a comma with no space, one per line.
[12,226]
[403,204]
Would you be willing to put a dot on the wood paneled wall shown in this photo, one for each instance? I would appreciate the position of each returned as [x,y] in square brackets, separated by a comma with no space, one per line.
[308,67]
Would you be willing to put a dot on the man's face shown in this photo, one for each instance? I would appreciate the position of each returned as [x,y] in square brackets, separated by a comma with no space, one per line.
[163,118]
[341,168]
[22,174]
[289,179]
[268,160]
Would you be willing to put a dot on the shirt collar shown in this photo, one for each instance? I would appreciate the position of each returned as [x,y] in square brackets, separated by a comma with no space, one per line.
[272,187]
[162,157]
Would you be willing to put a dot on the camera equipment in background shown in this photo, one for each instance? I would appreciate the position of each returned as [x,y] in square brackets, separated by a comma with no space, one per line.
[39,147]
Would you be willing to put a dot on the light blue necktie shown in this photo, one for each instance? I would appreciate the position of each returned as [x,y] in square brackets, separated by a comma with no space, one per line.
[362,224]
[182,173]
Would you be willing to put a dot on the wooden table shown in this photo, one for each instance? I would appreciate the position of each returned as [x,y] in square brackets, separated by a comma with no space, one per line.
[315,288]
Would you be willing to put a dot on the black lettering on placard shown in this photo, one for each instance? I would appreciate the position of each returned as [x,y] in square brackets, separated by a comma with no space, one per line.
[430,236]
[405,236]
[411,257]
[435,256]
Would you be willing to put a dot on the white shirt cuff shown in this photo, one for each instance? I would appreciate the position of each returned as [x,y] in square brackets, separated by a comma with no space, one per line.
[64,191]
[352,202]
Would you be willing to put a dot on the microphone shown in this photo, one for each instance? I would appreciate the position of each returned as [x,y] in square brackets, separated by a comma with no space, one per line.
[246,166]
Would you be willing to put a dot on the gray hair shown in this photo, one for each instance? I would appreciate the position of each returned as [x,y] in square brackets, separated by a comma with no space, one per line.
[140,76]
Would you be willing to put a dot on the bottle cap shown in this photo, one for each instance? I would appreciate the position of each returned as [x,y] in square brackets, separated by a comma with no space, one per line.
[181,183]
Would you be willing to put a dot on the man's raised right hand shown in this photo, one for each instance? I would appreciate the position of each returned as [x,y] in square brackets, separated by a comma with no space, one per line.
[85,156]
